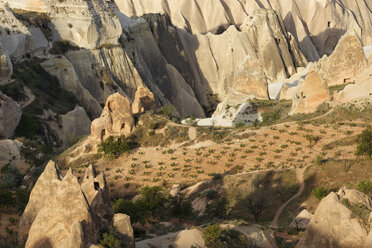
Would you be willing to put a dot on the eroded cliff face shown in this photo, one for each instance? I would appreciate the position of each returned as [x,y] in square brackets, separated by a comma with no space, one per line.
[191,53]
[316,25]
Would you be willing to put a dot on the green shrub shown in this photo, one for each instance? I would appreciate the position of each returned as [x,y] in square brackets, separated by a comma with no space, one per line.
[312,139]
[239,125]
[358,211]
[365,187]
[211,236]
[320,193]
[154,198]
[108,240]
[365,143]
[113,147]
[180,208]
[28,127]
[137,210]
[22,196]
[61,47]
[6,197]
[271,117]
[167,110]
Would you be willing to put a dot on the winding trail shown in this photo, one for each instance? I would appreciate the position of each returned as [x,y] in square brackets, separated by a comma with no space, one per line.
[300,178]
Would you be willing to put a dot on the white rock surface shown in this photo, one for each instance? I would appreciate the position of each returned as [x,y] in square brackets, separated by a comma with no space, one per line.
[6,66]
[316,25]
[10,116]
[302,220]
[75,124]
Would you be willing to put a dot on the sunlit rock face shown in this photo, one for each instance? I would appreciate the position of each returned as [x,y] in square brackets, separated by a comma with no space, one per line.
[333,224]
[88,24]
[62,212]
[310,93]
[316,25]
[116,118]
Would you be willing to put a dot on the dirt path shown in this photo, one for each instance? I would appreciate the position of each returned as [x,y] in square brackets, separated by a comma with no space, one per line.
[31,98]
[300,177]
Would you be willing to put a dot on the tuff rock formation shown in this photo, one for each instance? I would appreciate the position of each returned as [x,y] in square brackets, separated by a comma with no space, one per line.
[72,126]
[121,223]
[333,224]
[63,69]
[362,88]
[94,25]
[18,37]
[9,150]
[143,101]
[316,25]
[10,116]
[63,213]
[301,221]
[235,109]
[310,93]
[116,118]
[346,62]
[6,66]
[189,238]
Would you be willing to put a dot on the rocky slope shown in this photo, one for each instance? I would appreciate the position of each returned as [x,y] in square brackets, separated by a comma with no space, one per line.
[177,53]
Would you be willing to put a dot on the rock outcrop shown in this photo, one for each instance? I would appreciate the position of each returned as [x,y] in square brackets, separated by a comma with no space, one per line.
[63,213]
[6,66]
[92,26]
[235,109]
[64,70]
[316,25]
[121,223]
[333,224]
[189,238]
[302,220]
[355,197]
[19,37]
[143,101]
[362,88]
[9,150]
[310,93]
[10,116]
[116,118]
[72,126]
[346,62]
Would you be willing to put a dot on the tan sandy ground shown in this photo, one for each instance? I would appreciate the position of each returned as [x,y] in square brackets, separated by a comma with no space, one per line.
[282,146]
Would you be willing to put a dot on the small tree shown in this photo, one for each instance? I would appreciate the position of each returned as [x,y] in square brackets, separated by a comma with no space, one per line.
[6,197]
[256,205]
[365,143]
[312,139]
[110,241]
[181,208]
[136,210]
[211,236]
[365,187]
[113,147]
[320,192]
[154,198]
